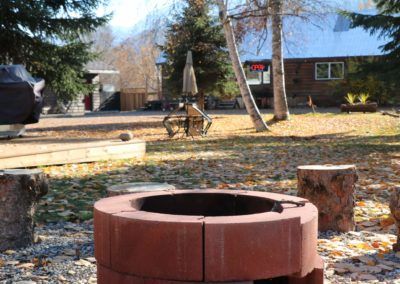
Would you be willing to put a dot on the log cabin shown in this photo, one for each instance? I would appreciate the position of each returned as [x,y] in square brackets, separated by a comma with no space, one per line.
[317,55]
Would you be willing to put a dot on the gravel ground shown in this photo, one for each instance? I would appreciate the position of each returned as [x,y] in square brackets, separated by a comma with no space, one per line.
[351,266]
[63,253]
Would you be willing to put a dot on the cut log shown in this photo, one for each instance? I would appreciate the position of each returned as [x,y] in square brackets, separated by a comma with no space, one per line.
[395,210]
[137,187]
[368,107]
[19,192]
[389,114]
[331,189]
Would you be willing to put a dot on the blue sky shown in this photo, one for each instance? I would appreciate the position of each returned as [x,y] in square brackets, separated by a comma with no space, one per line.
[128,13]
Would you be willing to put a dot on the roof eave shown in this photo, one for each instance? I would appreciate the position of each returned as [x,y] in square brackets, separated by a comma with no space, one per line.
[102,72]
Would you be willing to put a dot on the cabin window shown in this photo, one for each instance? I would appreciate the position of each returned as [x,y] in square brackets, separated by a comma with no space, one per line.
[254,78]
[267,76]
[329,70]
[258,77]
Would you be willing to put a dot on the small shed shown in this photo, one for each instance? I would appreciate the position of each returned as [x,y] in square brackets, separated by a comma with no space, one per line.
[107,84]
[106,79]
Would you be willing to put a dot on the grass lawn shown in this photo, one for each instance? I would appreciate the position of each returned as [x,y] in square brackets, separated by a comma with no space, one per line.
[233,156]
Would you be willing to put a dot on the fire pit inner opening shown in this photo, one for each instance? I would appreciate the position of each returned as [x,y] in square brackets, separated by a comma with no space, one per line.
[206,204]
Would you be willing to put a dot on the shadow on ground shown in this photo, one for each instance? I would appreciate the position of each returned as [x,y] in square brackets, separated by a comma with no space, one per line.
[252,163]
[101,127]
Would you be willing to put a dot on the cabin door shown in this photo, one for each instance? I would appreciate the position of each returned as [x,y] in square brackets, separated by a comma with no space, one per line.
[88,102]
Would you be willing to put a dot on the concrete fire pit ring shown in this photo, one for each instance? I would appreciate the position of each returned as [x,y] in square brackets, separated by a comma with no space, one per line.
[204,236]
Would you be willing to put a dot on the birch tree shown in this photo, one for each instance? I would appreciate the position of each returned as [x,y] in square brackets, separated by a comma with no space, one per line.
[281,110]
[265,15]
[245,91]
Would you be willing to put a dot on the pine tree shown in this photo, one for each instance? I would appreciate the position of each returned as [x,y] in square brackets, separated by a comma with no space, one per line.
[46,37]
[194,29]
[385,24]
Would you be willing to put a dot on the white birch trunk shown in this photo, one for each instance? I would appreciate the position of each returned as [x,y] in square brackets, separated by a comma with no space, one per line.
[245,91]
[281,110]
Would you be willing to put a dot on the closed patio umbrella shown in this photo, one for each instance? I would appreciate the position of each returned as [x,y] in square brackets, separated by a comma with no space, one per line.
[189,78]
[193,122]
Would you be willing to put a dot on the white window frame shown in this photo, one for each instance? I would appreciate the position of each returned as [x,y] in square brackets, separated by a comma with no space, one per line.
[269,76]
[329,71]
[252,81]
[260,77]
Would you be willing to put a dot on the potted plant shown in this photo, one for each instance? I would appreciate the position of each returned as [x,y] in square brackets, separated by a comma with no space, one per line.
[363,105]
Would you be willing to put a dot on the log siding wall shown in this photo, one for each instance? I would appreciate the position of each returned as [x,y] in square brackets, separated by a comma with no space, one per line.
[301,82]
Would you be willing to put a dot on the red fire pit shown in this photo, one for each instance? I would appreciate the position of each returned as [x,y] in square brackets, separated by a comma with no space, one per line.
[206,236]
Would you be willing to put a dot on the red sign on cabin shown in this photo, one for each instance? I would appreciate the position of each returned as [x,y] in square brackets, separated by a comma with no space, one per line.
[258,67]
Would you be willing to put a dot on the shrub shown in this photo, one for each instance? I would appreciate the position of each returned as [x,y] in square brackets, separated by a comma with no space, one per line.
[363,98]
[358,80]
[350,98]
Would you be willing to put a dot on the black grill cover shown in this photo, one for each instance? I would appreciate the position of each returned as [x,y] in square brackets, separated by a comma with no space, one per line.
[20,96]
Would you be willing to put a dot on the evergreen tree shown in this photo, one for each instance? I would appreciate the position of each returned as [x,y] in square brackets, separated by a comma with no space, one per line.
[194,29]
[385,24]
[46,37]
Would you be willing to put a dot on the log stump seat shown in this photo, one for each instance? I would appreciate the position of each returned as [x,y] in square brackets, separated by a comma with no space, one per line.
[20,190]
[331,189]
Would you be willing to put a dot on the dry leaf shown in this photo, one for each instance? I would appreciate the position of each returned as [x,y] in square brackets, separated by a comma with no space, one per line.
[387,221]
[27,265]
[365,276]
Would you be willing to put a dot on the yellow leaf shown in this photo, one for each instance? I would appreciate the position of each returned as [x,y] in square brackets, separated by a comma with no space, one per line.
[336,253]
[364,246]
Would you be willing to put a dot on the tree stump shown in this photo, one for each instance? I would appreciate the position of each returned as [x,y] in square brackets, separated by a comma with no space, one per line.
[331,189]
[395,210]
[137,187]
[19,192]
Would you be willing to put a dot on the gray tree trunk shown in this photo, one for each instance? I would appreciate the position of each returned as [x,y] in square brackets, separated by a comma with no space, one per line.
[281,110]
[245,91]
[19,192]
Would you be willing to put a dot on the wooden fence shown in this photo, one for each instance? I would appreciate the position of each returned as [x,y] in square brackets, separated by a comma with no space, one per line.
[133,99]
